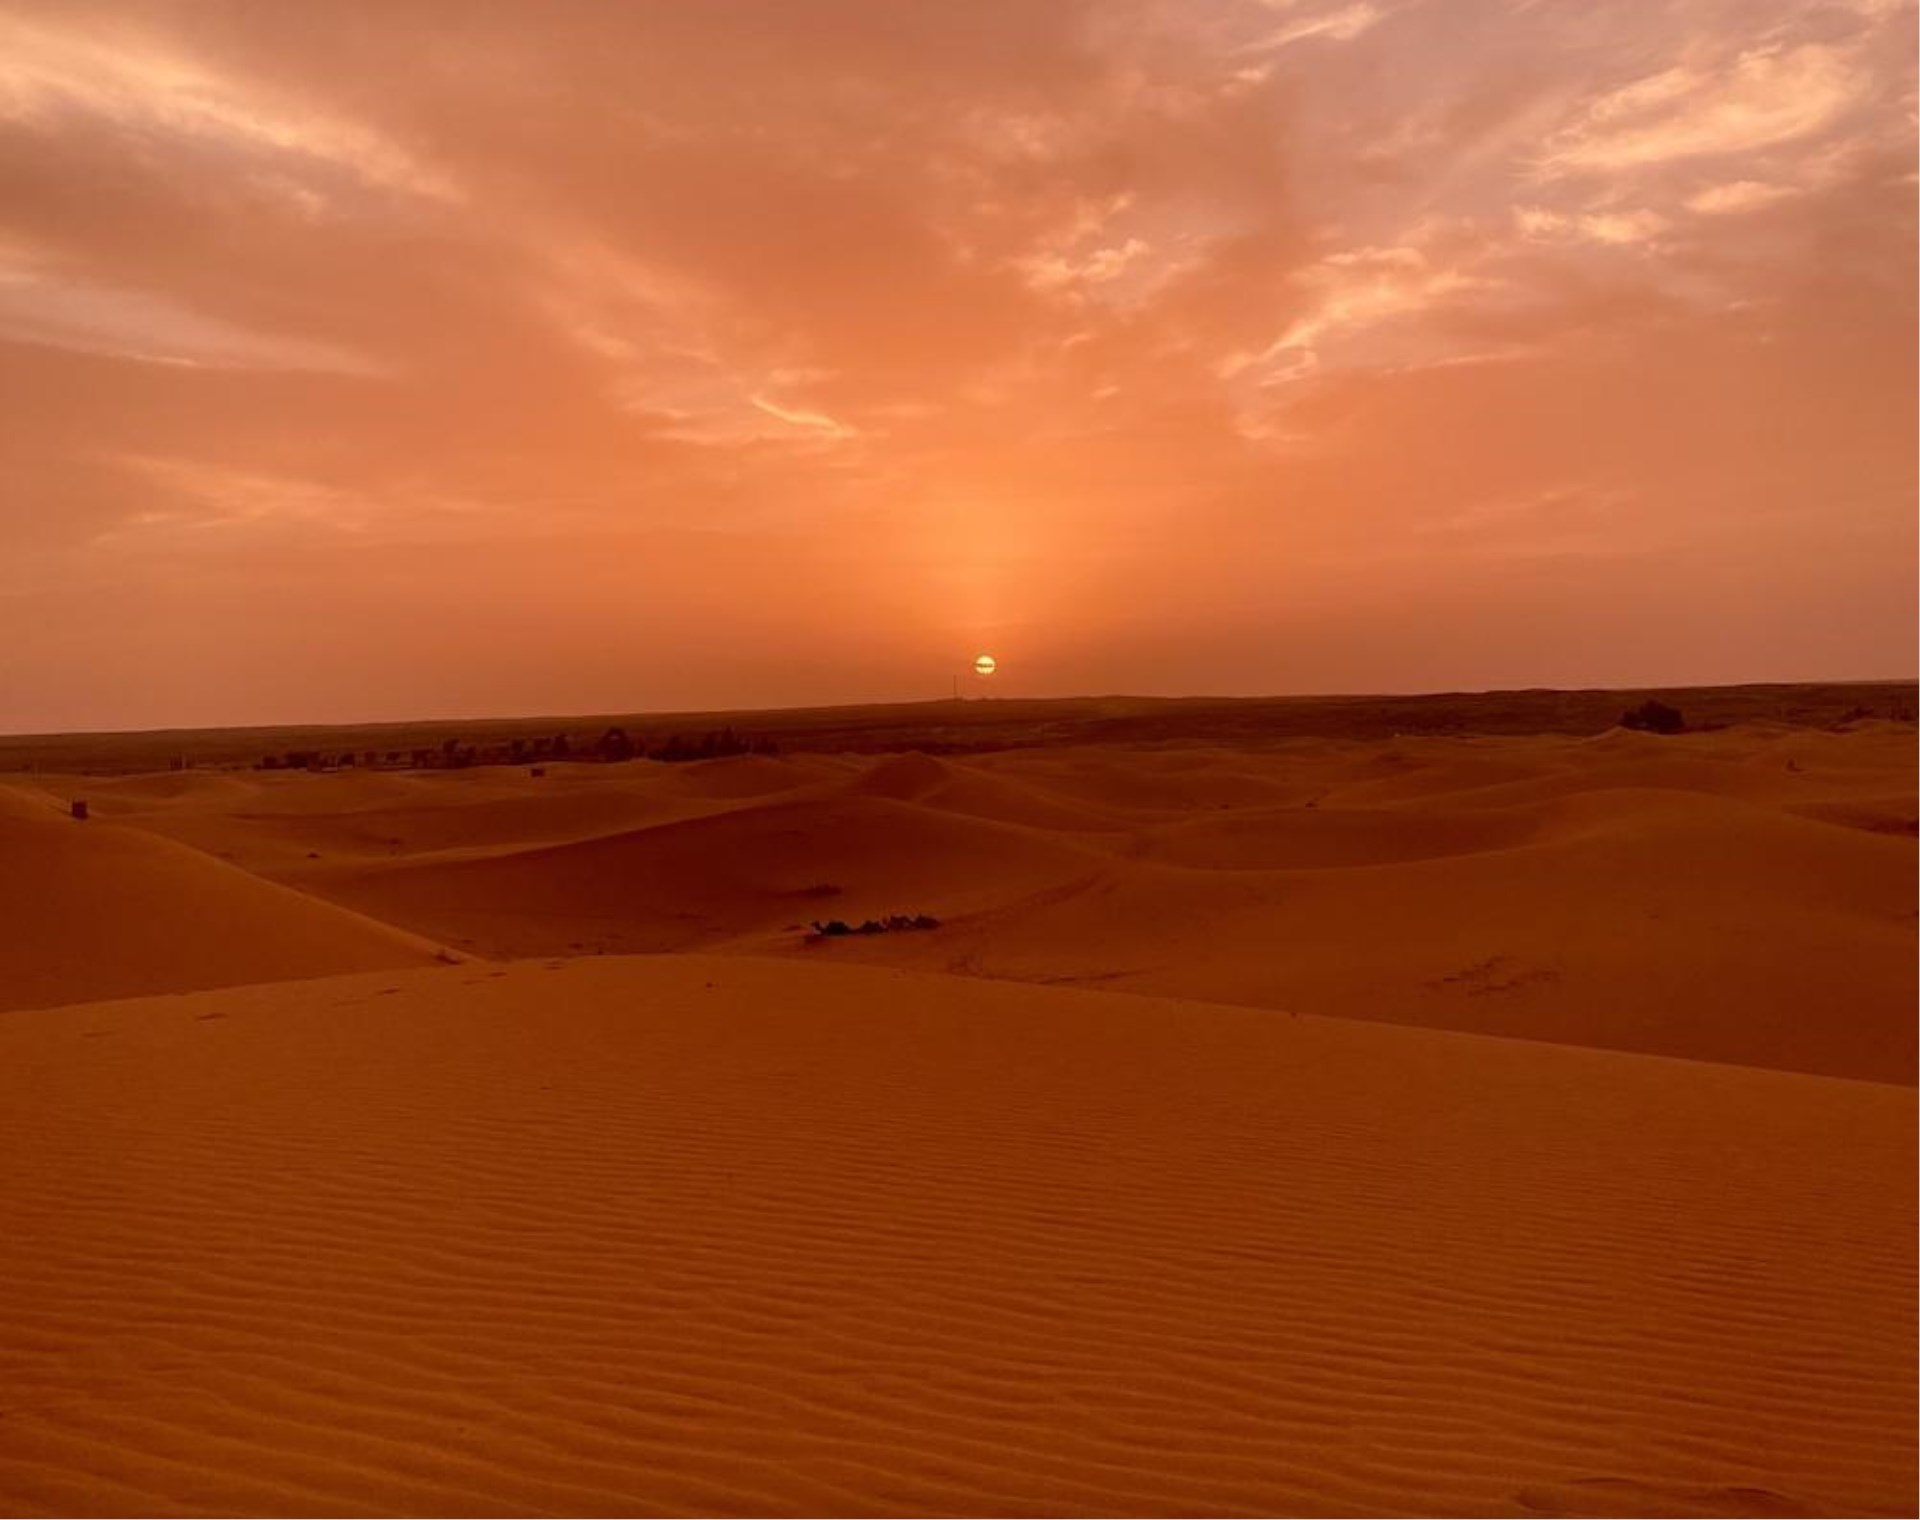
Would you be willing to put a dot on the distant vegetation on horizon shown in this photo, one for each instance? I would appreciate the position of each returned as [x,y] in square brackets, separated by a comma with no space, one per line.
[958,727]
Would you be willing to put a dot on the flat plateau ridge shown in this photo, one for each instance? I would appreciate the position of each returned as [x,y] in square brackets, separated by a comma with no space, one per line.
[1521,1125]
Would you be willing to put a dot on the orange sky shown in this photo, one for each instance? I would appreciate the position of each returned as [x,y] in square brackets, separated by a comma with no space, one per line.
[422,358]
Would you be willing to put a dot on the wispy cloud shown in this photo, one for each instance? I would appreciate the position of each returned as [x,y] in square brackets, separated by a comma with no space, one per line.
[1761,98]
[205,501]
[1739,196]
[147,327]
[51,72]
[1342,23]
[1226,287]
[802,417]
[1616,228]
[1351,294]
[191,503]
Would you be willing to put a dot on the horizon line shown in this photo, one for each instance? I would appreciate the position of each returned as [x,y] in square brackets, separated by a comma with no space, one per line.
[304,725]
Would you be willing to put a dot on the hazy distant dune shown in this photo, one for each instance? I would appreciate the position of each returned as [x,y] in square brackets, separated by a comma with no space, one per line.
[1648,921]
[1163,781]
[274,822]
[1625,890]
[981,792]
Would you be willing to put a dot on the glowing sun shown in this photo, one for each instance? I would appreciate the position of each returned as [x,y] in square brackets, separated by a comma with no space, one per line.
[986,665]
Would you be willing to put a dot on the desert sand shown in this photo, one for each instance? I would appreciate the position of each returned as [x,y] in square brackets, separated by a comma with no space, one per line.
[1439,1125]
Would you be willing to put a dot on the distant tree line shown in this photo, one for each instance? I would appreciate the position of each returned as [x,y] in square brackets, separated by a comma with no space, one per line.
[613,747]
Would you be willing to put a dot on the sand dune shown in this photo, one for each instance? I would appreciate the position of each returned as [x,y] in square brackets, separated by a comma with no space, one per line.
[1147,782]
[819,1226]
[1690,927]
[1300,838]
[751,870]
[723,1235]
[92,910]
[953,787]
[275,822]
[1691,896]
[1891,814]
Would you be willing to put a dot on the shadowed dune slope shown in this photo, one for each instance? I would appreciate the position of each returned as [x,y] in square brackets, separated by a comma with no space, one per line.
[751,869]
[91,910]
[725,1235]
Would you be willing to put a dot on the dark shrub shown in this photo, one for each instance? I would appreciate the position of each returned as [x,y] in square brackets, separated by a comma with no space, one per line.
[893,923]
[1652,717]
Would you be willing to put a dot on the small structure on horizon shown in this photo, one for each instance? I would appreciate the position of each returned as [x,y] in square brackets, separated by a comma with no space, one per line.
[79,810]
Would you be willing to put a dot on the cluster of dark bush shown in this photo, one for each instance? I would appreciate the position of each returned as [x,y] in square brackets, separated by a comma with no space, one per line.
[615,745]
[893,923]
[453,754]
[450,755]
[1652,717]
[1897,712]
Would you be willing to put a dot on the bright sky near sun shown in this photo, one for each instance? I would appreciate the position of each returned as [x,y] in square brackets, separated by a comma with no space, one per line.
[443,357]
